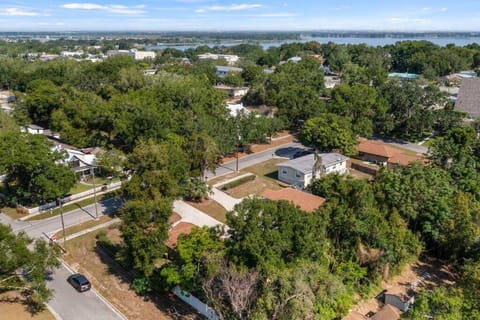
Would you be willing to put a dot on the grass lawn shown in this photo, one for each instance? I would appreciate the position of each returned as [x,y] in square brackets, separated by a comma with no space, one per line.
[80,187]
[10,308]
[70,207]
[212,208]
[225,178]
[113,282]
[254,187]
[267,168]
[83,226]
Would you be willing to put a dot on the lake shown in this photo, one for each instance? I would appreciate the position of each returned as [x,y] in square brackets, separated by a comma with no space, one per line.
[441,41]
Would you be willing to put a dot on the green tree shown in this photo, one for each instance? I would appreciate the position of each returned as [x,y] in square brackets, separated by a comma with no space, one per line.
[24,264]
[264,234]
[360,103]
[329,132]
[191,265]
[34,172]
[144,231]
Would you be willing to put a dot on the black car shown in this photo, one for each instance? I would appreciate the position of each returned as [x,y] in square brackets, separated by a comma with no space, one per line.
[79,282]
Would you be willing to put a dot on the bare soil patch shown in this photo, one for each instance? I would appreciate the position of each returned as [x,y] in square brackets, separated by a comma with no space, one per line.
[11,307]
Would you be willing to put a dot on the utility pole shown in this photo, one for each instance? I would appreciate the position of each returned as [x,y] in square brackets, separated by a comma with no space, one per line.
[63,225]
[94,192]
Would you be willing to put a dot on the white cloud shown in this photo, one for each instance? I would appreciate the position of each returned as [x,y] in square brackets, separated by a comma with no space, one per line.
[444,9]
[17,12]
[119,9]
[233,7]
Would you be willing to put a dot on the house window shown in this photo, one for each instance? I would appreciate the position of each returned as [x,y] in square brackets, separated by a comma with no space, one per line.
[298,174]
[284,172]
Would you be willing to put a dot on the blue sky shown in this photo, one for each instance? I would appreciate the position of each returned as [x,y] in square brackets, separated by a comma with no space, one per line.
[211,15]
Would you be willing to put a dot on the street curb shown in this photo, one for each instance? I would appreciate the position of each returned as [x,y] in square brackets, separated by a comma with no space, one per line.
[95,292]
[85,231]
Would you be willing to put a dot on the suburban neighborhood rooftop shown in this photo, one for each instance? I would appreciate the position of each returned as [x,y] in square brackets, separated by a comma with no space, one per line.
[304,164]
[469,97]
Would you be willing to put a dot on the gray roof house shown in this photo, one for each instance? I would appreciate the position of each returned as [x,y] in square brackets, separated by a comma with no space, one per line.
[469,97]
[299,172]
[223,71]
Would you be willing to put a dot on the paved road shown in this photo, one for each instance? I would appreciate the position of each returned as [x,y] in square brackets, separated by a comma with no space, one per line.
[72,218]
[71,304]
[286,150]
[67,303]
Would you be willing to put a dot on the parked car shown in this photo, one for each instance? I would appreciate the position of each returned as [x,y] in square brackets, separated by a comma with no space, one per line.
[79,282]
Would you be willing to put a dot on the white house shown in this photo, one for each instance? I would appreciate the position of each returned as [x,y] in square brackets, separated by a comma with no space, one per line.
[300,172]
[33,129]
[134,53]
[235,109]
[233,91]
[230,58]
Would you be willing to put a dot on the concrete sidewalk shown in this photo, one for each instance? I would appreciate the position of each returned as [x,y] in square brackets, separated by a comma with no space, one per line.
[85,231]
[224,199]
[193,215]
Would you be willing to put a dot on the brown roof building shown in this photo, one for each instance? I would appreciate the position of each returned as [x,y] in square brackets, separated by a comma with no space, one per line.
[175,232]
[354,315]
[383,154]
[469,97]
[306,201]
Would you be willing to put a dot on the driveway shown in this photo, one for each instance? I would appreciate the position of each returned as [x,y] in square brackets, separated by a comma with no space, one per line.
[193,215]
[228,202]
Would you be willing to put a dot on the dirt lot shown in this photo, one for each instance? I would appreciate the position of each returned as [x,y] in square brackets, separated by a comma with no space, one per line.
[436,273]
[12,308]
[113,282]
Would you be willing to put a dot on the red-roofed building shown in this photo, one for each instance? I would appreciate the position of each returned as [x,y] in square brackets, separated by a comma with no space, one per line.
[383,154]
[306,201]
[176,231]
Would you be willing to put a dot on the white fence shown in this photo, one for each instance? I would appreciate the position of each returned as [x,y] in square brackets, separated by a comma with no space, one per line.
[100,189]
[195,303]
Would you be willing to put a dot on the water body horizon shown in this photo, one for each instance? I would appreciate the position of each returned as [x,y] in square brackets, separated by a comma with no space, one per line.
[374,42]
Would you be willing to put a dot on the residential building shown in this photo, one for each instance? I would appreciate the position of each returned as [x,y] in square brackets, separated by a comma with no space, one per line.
[404,76]
[230,58]
[33,129]
[177,229]
[233,91]
[353,315]
[382,154]
[134,53]
[235,109]
[223,71]
[469,97]
[306,201]
[300,172]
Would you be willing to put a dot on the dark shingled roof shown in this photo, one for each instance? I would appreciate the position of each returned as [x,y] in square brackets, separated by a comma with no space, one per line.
[469,97]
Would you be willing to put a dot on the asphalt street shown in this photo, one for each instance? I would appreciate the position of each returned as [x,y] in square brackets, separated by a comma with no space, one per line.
[286,150]
[67,303]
